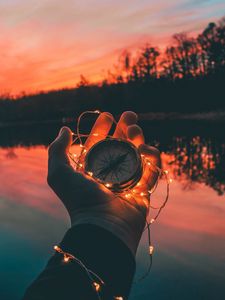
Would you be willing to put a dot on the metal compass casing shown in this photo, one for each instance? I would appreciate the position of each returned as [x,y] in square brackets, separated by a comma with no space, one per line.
[115,163]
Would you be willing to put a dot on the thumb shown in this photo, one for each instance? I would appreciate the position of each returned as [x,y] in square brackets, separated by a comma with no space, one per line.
[60,146]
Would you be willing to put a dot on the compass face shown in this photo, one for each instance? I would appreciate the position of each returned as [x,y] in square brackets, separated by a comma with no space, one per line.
[115,163]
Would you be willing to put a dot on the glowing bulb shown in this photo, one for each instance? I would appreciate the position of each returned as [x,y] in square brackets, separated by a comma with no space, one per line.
[138,184]
[142,194]
[80,165]
[74,155]
[152,221]
[96,286]
[66,258]
[151,249]
[118,298]
[90,173]
[108,185]
[84,151]
[127,195]
[142,155]
[170,180]
[95,134]
[149,164]
[166,172]
[56,248]
[97,111]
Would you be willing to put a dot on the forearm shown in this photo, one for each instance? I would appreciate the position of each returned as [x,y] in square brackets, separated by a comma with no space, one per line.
[101,252]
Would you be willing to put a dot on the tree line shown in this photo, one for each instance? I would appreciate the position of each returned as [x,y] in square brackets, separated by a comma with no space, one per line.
[187,76]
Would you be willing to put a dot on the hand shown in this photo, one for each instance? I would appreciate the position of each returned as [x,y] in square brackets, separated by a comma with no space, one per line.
[80,193]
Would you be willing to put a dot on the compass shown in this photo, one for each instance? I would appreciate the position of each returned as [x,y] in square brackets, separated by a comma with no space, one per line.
[115,163]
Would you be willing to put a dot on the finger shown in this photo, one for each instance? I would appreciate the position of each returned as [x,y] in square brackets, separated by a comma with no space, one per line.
[152,162]
[135,135]
[152,154]
[100,130]
[58,160]
[127,118]
[60,146]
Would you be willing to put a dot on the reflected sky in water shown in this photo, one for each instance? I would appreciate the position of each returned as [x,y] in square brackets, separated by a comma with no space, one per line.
[189,237]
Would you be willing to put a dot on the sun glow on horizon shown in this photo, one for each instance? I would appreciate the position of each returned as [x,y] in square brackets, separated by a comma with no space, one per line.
[48,45]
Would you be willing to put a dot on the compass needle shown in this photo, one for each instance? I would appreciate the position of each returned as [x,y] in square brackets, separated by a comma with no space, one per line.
[116,162]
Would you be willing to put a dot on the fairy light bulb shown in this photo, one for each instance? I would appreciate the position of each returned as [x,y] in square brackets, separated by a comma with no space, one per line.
[108,185]
[97,111]
[96,286]
[166,172]
[56,248]
[118,298]
[66,258]
[80,165]
[142,194]
[151,249]
[90,173]
[170,180]
[95,134]
[152,221]
[81,145]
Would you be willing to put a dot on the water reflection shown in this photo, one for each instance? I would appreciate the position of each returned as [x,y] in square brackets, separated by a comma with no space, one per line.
[198,160]
[189,237]
[191,158]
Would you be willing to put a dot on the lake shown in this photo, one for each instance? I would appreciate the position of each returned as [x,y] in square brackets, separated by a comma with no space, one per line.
[189,236]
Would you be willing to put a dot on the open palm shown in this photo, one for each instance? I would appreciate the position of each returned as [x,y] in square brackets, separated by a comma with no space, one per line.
[87,200]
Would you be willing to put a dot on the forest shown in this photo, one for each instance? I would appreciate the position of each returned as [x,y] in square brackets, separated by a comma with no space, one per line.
[187,77]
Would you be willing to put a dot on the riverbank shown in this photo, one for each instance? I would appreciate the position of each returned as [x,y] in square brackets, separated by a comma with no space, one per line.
[211,116]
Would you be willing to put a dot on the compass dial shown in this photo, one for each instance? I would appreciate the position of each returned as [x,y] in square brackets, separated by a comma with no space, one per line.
[115,163]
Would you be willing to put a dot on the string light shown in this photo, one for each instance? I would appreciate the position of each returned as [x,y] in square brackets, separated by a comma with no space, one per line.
[127,195]
[151,249]
[130,193]
[96,286]
[108,185]
[66,258]
[118,298]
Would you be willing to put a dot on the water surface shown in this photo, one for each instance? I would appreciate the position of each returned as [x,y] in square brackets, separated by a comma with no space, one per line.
[189,236]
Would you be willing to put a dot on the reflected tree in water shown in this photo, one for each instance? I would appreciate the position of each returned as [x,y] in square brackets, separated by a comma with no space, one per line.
[199,160]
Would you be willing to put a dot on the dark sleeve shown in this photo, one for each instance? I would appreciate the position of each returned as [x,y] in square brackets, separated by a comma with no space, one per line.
[101,252]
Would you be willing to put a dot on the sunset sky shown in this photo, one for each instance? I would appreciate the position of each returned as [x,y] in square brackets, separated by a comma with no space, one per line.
[47,44]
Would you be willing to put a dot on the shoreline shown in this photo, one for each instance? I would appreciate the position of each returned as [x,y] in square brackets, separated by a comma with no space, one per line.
[212,116]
